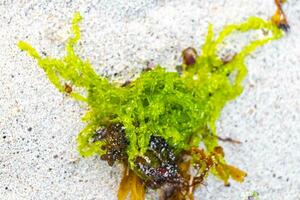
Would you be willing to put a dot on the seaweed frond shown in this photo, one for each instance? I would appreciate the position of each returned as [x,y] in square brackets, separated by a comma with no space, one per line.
[155,124]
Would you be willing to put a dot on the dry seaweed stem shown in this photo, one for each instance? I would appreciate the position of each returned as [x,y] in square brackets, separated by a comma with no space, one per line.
[279,18]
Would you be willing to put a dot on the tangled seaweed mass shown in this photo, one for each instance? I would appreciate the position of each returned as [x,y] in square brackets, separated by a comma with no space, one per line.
[155,124]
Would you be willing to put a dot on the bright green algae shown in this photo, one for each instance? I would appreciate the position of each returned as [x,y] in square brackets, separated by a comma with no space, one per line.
[182,109]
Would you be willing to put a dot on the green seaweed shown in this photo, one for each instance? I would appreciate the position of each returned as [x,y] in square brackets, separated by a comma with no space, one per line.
[181,109]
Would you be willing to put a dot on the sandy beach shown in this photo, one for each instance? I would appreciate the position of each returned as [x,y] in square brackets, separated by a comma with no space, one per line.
[38,125]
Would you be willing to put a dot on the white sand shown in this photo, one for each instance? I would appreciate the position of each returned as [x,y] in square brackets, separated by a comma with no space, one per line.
[38,125]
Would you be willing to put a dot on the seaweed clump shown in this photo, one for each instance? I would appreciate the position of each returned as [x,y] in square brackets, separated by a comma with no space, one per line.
[154,124]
